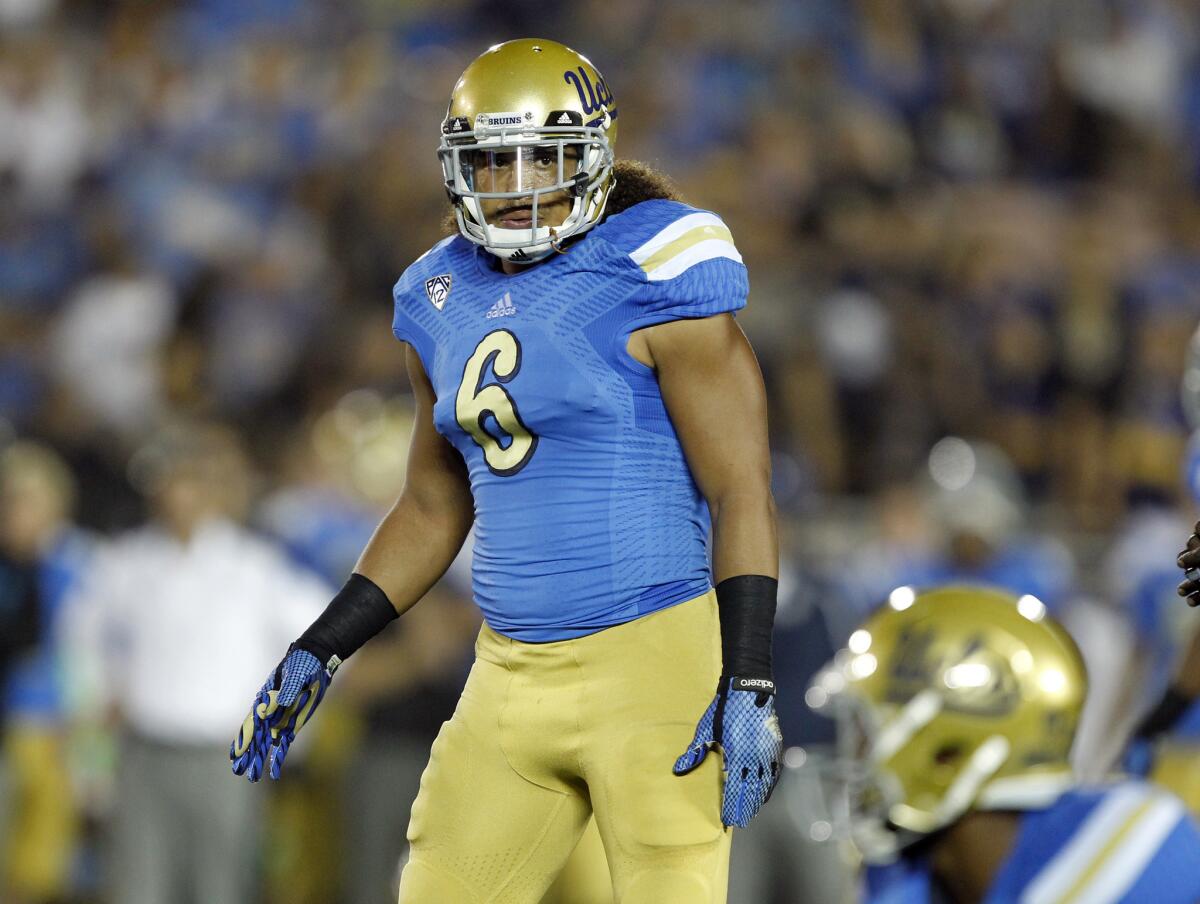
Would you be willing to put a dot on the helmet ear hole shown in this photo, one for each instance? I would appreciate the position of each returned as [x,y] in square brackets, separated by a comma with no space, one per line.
[948,754]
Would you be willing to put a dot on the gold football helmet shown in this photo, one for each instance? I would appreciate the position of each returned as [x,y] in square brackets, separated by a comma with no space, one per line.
[949,700]
[531,123]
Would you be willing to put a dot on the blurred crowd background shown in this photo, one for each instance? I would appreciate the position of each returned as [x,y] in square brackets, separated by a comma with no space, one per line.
[973,236]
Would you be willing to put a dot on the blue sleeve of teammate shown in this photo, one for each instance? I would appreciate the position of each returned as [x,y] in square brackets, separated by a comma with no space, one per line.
[1145,608]
[901,882]
[1172,875]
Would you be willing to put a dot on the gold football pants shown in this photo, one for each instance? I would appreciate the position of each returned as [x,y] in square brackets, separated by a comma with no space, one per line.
[44,821]
[547,734]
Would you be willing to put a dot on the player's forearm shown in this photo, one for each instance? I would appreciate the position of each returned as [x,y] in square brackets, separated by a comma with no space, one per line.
[1188,678]
[745,540]
[1178,698]
[745,568]
[411,549]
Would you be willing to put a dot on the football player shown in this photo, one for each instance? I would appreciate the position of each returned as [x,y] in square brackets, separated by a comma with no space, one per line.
[956,710]
[586,401]
[1166,742]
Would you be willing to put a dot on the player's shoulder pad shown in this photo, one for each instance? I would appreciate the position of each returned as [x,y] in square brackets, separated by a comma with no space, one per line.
[666,238]
[422,291]
[427,266]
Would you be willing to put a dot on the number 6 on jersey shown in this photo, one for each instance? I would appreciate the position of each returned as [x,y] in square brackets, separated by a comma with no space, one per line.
[476,402]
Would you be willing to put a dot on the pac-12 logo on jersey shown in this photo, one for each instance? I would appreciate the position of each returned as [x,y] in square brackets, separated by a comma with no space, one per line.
[438,289]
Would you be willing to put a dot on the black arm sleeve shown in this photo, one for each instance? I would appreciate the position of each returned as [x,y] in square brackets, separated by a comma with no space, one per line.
[1174,703]
[358,612]
[747,609]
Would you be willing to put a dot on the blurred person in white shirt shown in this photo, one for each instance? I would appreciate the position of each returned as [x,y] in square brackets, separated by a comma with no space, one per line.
[172,623]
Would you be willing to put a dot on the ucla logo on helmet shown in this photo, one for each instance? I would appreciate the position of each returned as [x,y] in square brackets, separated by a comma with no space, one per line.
[593,98]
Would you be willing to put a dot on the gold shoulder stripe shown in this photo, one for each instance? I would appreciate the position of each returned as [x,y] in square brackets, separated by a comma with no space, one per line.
[684,242]
[1118,853]
[1114,841]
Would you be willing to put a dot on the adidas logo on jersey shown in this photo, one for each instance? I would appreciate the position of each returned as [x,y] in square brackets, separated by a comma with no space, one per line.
[502,308]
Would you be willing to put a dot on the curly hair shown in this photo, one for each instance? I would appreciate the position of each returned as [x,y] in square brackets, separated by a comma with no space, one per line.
[636,182]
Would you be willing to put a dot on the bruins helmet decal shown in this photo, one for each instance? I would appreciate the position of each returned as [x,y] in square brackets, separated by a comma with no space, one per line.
[920,658]
[949,700]
[527,148]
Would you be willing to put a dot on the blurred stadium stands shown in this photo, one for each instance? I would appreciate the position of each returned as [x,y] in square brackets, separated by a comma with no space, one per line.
[964,218]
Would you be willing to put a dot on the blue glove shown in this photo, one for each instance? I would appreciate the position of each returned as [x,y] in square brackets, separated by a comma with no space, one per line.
[741,721]
[285,703]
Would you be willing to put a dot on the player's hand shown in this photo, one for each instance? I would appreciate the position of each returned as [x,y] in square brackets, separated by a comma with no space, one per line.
[741,721]
[1189,561]
[287,700]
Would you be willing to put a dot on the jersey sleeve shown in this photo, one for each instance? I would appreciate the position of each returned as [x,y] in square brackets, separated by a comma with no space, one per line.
[689,263]
[416,297]
[404,326]
[1159,859]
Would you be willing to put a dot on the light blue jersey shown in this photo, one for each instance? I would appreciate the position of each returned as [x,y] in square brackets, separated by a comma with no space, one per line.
[1126,843]
[586,515]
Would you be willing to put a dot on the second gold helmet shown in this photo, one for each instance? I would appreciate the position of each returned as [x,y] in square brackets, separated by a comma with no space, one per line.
[949,700]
